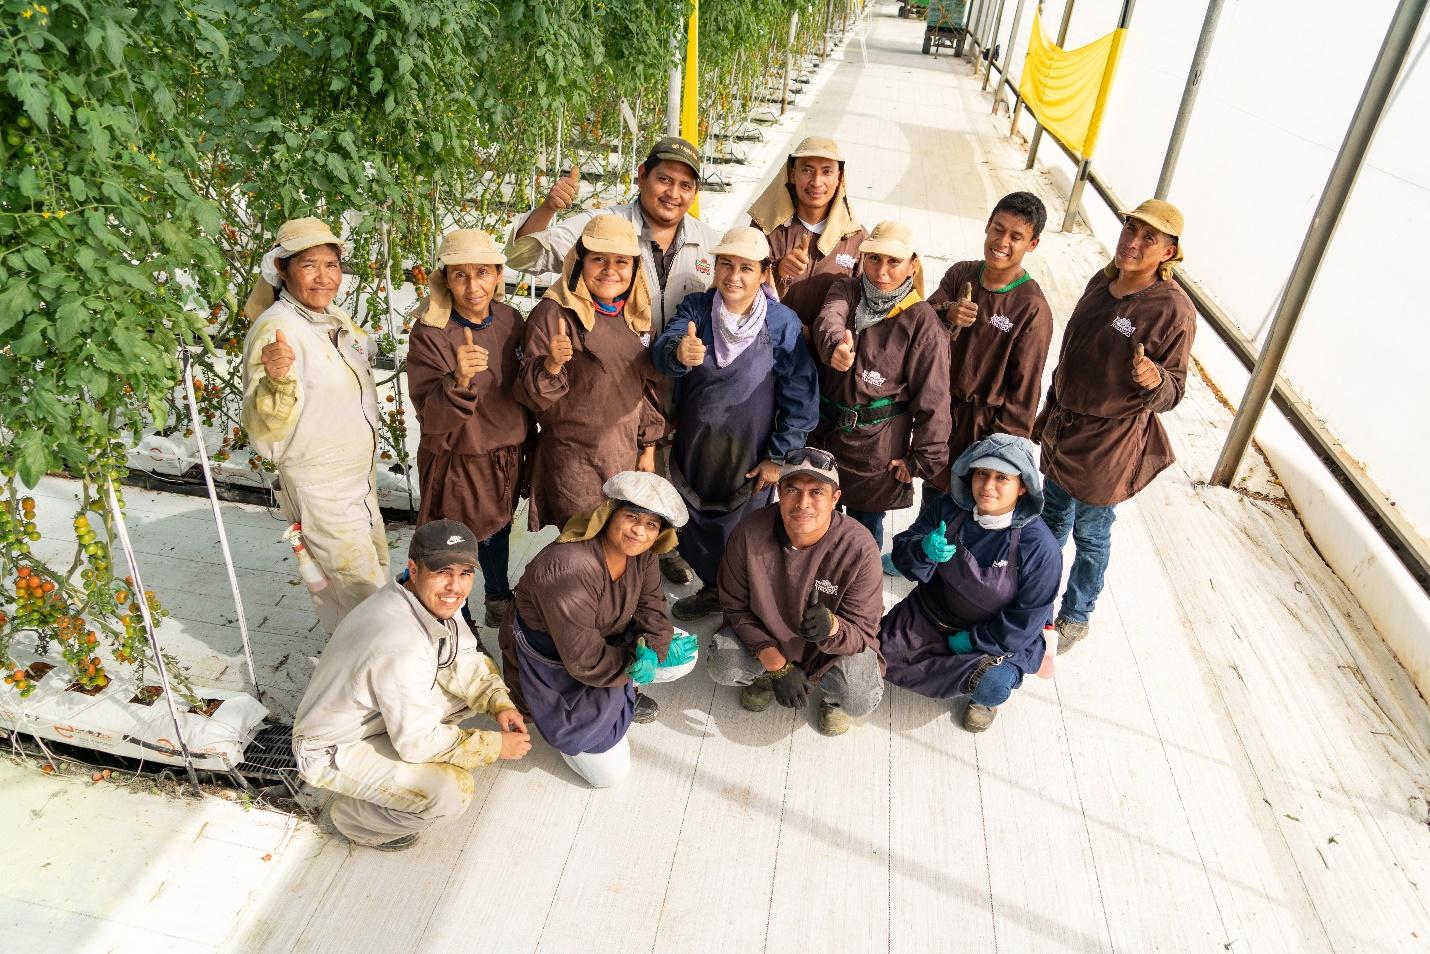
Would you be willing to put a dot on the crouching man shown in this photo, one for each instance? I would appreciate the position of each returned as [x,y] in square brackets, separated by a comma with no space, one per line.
[800,585]
[379,722]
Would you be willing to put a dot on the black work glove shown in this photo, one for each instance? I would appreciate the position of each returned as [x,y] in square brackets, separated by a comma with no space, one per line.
[792,689]
[817,622]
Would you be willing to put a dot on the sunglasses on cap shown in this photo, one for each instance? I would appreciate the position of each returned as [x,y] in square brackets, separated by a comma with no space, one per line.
[810,455]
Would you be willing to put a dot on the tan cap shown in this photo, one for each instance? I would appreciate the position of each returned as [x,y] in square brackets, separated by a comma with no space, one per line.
[744,242]
[821,146]
[1161,215]
[296,235]
[677,150]
[889,238]
[469,247]
[611,234]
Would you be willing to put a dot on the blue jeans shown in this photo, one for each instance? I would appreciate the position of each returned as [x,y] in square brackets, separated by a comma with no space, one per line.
[493,554]
[872,520]
[1091,528]
[995,686]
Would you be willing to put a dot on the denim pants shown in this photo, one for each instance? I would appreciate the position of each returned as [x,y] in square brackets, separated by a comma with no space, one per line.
[995,686]
[872,520]
[1091,528]
[493,554]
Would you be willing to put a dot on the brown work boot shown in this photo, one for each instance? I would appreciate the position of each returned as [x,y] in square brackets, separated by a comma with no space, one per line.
[978,717]
[496,612]
[757,696]
[699,606]
[675,570]
[646,709]
[1069,634]
[832,719]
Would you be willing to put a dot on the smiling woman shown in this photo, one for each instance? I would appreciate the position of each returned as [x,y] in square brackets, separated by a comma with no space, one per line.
[310,406]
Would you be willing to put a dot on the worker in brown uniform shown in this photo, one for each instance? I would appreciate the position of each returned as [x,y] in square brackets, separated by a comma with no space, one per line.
[586,372]
[461,368]
[813,234]
[884,381]
[1000,327]
[802,594]
[1123,361]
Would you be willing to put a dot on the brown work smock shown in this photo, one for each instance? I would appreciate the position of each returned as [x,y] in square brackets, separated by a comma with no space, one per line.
[765,585]
[469,456]
[1101,439]
[997,362]
[903,357]
[805,295]
[567,593]
[595,416]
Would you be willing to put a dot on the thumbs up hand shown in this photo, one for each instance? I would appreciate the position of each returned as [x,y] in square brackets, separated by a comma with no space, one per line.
[796,261]
[965,312]
[691,350]
[277,357]
[936,545]
[817,622]
[471,360]
[563,193]
[843,357]
[558,350]
[1145,371]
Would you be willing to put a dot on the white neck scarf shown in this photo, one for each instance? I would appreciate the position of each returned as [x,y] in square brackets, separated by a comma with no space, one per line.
[988,522]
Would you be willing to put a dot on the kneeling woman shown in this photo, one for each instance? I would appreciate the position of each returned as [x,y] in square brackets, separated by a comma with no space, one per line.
[987,569]
[590,625]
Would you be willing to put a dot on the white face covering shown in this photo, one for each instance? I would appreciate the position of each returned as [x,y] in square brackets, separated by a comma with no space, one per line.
[988,522]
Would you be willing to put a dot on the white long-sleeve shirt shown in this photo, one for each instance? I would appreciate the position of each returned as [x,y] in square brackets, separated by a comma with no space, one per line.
[393,668]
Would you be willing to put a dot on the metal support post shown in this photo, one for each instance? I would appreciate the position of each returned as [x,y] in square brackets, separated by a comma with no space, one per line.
[1386,67]
[1075,197]
[992,42]
[828,26]
[1189,98]
[1008,59]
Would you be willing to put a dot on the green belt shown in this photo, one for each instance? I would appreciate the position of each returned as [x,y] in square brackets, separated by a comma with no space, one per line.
[848,418]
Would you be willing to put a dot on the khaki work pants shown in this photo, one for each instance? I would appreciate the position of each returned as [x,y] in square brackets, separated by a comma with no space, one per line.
[344,534]
[381,797]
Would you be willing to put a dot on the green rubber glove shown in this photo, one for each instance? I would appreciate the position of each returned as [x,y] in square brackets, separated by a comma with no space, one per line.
[642,670]
[682,650]
[936,545]
[960,643]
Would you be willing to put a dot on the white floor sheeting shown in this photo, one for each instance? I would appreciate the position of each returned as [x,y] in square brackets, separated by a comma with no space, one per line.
[1232,761]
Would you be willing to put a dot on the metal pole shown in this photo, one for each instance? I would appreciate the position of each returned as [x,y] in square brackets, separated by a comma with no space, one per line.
[789,61]
[1038,127]
[1008,59]
[992,44]
[1339,186]
[1080,180]
[672,90]
[828,25]
[1189,98]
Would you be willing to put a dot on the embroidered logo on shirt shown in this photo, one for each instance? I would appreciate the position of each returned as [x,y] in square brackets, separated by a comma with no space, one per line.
[826,587]
[997,563]
[872,378]
[702,266]
[845,260]
[1001,322]
[645,340]
[1124,326]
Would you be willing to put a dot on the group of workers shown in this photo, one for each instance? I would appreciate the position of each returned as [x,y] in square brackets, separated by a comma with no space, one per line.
[742,410]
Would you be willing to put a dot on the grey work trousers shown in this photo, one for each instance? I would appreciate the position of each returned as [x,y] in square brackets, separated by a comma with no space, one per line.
[854,684]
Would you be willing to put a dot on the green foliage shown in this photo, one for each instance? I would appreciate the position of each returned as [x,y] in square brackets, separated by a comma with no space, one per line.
[151,148]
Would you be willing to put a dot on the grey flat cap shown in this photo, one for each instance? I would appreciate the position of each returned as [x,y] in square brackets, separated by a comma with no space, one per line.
[650,492]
